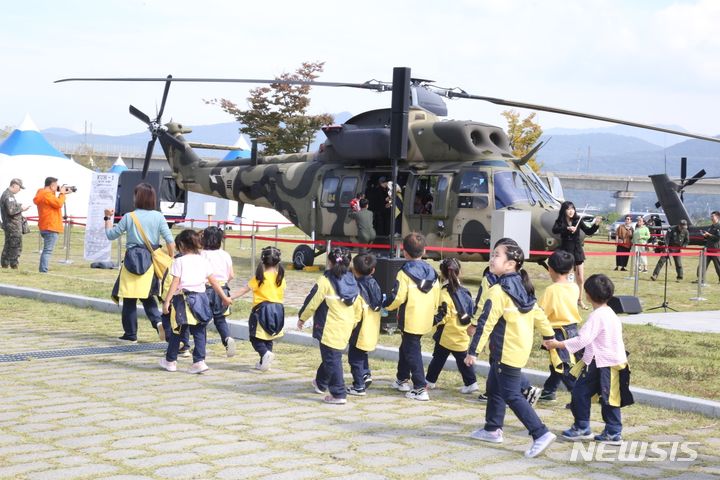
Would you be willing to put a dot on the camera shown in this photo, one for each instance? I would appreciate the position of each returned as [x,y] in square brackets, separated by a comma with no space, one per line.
[71,188]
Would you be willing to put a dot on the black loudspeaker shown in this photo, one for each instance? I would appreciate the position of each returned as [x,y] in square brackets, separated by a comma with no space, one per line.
[399,116]
[386,271]
[625,304]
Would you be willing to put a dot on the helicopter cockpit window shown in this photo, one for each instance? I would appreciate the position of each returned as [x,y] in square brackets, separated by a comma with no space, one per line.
[329,191]
[511,188]
[473,182]
[430,193]
[473,191]
[347,190]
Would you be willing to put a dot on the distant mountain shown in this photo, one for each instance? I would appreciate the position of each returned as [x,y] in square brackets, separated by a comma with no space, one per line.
[616,155]
[657,138]
[69,141]
[59,132]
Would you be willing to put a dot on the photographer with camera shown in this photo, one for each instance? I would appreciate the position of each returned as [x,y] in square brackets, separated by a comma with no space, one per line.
[49,201]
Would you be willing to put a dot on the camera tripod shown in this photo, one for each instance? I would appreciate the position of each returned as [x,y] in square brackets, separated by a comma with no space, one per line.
[664,305]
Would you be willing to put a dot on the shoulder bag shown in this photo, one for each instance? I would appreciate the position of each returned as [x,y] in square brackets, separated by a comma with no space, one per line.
[160,259]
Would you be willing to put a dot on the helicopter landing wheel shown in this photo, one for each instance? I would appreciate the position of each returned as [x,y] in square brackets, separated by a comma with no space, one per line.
[303,256]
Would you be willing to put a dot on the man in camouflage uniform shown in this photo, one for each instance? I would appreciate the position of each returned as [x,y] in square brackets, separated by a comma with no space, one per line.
[12,224]
[675,240]
[712,244]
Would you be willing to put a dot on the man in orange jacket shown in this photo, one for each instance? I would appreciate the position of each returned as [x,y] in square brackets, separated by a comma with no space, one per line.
[49,201]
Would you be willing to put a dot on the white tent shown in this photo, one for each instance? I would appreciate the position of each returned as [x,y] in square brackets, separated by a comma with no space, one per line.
[27,155]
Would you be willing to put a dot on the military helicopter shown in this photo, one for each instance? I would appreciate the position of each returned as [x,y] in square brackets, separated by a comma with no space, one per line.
[671,198]
[452,174]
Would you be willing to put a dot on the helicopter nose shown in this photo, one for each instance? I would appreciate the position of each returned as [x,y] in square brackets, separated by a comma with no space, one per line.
[547,220]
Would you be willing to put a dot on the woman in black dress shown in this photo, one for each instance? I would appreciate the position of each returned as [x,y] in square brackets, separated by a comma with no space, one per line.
[568,226]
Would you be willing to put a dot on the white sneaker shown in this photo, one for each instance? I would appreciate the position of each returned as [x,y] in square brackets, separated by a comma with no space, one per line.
[488,436]
[419,394]
[402,386]
[230,347]
[473,387]
[318,389]
[430,385]
[161,331]
[266,361]
[169,366]
[198,367]
[354,391]
[334,400]
[540,445]
[258,366]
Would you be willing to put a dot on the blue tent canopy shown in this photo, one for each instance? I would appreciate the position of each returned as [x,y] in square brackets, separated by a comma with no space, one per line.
[235,154]
[29,142]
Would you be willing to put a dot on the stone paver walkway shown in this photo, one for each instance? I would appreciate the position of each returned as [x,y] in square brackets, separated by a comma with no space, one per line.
[120,417]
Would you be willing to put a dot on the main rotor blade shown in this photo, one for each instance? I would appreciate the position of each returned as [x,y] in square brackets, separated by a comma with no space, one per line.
[531,106]
[148,154]
[164,98]
[369,85]
[139,115]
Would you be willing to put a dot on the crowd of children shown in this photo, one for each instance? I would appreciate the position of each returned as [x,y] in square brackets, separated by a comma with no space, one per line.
[346,302]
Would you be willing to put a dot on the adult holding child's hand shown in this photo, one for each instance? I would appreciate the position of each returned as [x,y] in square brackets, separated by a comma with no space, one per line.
[137,280]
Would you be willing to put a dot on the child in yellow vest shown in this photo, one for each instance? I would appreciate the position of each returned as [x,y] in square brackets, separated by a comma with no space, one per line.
[451,334]
[335,305]
[506,324]
[559,301]
[267,318]
[416,296]
[364,337]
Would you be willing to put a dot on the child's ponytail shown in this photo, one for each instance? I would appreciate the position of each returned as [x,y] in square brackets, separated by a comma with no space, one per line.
[339,259]
[450,270]
[515,253]
[269,257]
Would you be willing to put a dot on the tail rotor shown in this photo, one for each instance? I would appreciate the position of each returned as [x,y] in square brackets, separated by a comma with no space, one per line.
[156,128]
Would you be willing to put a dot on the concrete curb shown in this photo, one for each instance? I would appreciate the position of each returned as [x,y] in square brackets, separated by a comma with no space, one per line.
[239,329]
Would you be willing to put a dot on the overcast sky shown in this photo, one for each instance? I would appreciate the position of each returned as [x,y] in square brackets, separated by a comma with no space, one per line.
[653,61]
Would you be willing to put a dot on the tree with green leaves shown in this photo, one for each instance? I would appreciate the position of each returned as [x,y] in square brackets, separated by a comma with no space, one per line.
[523,135]
[277,114]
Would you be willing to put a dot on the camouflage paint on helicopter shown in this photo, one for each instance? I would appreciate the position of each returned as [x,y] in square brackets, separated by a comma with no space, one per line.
[457,172]
[466,168]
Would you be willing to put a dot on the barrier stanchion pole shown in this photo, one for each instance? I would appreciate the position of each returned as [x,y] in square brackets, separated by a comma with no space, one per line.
[68,237]
[703,267]
[276,235]
[252,251]
[636,287]
[701,277]
[328,246]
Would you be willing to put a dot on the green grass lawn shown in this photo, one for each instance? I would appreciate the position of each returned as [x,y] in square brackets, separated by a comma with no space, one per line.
[667,360]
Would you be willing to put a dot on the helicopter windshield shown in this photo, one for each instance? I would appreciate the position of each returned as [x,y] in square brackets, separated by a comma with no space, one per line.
[540,185]
[511,188]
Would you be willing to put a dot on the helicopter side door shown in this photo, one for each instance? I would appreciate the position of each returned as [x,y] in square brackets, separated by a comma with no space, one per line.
[474,211]
[426,205]
[336,191]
